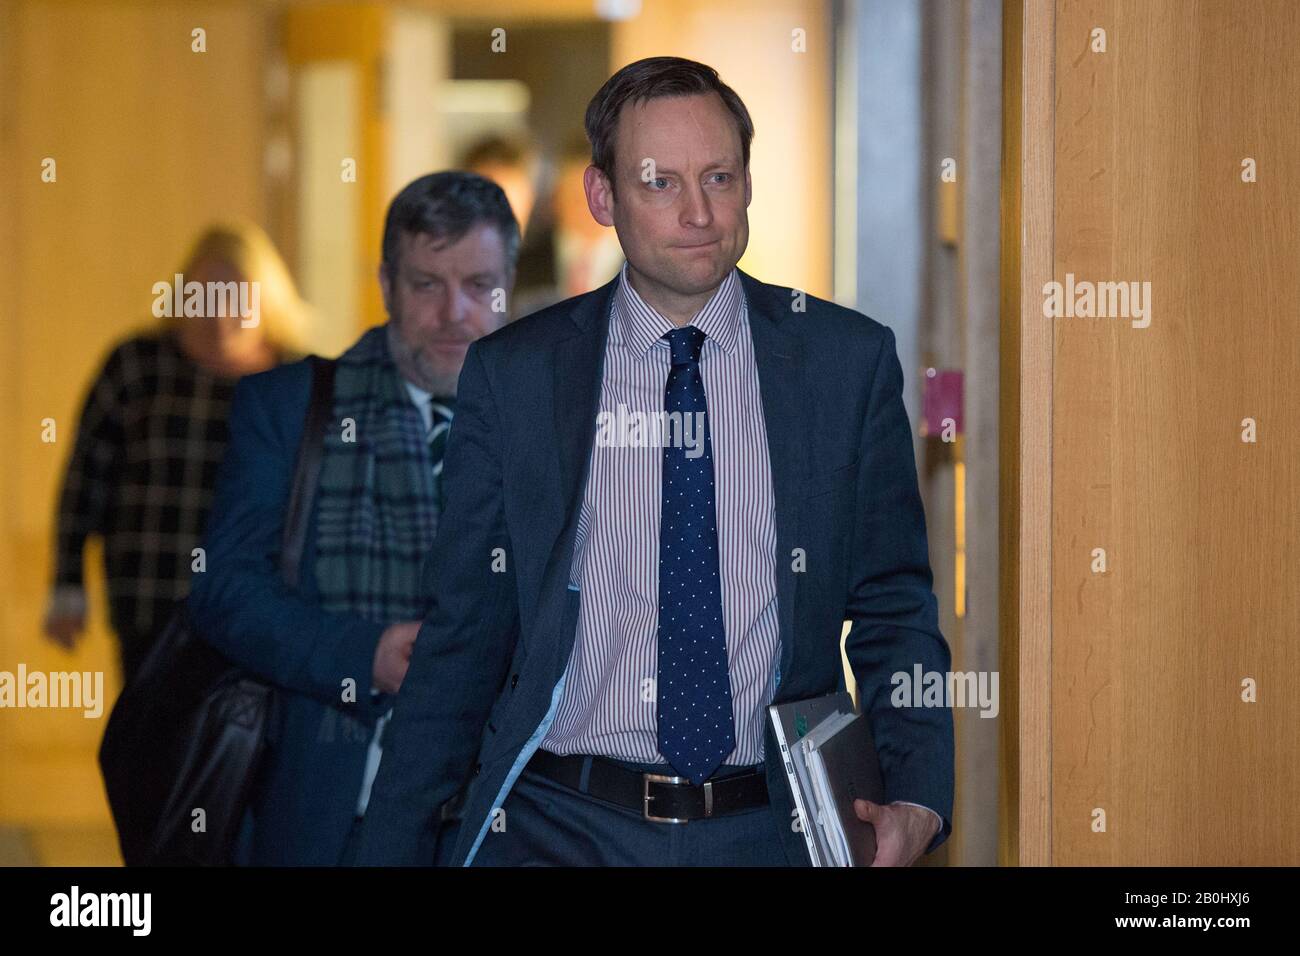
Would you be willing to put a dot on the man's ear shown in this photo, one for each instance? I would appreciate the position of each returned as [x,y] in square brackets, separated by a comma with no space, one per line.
[509,288]
[749,188]
[385,289]
[600,195]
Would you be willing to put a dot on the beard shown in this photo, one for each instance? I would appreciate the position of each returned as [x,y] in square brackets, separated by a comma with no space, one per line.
[415,366]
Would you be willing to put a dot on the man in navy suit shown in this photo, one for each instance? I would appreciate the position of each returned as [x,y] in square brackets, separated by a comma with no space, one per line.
[337,647]
[665,497]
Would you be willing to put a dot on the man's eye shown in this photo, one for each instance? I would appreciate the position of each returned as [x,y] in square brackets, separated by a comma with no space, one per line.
[722,177]
[659,184]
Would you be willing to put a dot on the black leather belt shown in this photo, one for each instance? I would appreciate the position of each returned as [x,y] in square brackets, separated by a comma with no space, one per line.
[658,797]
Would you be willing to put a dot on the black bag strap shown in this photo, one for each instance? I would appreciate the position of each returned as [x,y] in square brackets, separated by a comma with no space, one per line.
[306,472]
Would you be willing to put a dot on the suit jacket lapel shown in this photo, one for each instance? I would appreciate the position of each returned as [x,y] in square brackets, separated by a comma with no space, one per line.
[779,355]
[578,362]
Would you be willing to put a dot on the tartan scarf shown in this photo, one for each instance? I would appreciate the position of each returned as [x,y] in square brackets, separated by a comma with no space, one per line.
[377,514]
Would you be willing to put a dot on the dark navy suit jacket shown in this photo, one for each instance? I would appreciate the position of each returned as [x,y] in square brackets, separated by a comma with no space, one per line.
[305,799]
[487,669]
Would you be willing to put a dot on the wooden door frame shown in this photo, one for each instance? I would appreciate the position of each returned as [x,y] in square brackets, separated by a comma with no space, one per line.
[1025,455]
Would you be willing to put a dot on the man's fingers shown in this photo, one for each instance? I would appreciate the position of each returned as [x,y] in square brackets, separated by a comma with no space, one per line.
[889,843]
[888,852]
[868,811]
[64,630]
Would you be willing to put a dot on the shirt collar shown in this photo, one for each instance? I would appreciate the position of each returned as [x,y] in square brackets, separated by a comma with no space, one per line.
[418,395]
[426,401]
[642,327]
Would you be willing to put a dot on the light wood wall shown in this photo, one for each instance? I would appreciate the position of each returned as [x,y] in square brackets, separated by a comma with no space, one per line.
[142,165]
[1139,705]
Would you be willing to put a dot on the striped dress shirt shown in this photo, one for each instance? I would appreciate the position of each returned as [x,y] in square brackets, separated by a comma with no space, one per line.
[608,704]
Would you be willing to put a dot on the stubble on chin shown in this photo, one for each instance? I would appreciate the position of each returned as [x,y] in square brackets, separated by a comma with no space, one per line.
[416,368]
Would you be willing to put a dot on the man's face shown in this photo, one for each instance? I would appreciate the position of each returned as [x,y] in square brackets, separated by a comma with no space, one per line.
[681,193]
[441,299]
[222,333]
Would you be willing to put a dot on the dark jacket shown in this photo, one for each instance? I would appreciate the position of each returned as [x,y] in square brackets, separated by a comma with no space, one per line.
[305,801]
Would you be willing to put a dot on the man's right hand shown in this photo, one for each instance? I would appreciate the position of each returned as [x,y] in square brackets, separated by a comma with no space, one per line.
[393,655]
[64,629]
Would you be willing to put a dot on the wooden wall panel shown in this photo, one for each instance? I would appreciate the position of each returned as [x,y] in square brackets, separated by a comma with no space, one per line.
[1024,437]
[1199,528]
[151,141]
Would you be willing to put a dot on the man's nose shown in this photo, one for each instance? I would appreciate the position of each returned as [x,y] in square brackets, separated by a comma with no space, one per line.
[460,308]
[452,310]
[695,207]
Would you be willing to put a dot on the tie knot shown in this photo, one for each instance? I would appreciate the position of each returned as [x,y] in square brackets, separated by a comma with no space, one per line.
[686,344]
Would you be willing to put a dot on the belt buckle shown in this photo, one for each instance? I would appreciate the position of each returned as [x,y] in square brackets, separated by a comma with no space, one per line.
[649,778]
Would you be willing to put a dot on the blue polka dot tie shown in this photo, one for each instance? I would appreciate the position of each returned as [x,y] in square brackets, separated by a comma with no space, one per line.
[694,688]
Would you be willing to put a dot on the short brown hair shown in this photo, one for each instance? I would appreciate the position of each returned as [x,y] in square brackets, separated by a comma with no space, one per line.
[649,79]
[444,206]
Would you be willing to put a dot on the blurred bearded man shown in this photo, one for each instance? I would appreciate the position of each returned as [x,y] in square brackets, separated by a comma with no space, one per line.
[449,248]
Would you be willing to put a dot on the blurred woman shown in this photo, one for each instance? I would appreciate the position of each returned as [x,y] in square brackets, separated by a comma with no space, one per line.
[151,434]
